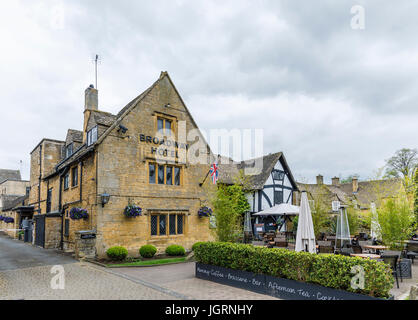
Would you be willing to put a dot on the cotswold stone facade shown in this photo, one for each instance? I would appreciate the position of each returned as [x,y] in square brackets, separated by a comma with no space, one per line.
[137,157]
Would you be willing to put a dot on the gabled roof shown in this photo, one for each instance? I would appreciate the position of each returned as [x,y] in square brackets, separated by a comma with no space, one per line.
[74,136]
[111,121]
[12,202]
[367,192]
[229,170]
[102,118]
[6,174]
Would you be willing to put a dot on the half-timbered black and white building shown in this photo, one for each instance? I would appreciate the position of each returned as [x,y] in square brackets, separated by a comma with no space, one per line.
[272,184]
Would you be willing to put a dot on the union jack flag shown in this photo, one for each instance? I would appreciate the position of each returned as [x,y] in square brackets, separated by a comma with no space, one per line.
[214,173]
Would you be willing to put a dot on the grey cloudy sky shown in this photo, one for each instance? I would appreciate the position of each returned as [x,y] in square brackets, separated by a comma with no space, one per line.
[335,100]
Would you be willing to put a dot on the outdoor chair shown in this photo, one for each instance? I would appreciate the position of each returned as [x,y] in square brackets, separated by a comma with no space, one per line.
[392,261]
[357,249]
[281,243]
[346,251]
[411,251]
[326,249]
[364,243]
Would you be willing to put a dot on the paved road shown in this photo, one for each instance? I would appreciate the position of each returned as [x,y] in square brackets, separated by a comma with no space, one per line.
[181,279]
[25,273]
[16,254]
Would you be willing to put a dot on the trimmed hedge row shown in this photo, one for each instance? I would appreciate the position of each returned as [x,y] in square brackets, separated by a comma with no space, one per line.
[332,271]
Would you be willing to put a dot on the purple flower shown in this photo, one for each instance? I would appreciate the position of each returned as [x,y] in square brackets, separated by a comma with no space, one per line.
[78,213]
[132,211]
[204,212]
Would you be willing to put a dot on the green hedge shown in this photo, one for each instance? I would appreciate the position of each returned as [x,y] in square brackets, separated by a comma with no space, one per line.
[194,246]
[117,253]
[147,251]
[175,250]
[332,271]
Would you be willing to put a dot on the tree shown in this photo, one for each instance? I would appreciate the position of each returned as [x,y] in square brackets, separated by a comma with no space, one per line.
[396,221]
[403,165]
[349,178]
[416,198]
[229,206]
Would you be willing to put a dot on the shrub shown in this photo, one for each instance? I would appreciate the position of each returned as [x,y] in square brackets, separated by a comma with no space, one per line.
[175,250]
[117,253]
[396,219]
[332,271]
[147,251]
[196,244]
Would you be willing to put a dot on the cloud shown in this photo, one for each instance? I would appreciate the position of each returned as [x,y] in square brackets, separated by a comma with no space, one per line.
[335,100]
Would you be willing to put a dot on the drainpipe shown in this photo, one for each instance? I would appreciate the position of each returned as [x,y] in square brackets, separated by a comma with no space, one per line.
[39,179]
[61,209]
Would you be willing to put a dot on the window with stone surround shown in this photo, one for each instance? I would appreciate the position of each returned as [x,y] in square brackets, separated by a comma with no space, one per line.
[69,150]
[66,181]
[92,136]
[74,177]
[167,224]
[165,126]
[164,174]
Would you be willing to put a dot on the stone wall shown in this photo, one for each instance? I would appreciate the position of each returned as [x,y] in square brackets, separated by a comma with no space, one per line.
[52,231]
[85,244]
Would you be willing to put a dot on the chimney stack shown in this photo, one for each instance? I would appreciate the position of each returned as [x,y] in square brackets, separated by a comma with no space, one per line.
[336,181]
[355,184]
[91,98]
[319,179]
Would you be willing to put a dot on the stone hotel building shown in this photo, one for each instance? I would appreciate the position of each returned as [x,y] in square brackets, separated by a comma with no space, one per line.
[152,155]
[137,157]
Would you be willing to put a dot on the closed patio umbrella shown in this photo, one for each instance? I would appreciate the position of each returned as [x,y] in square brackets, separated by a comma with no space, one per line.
[375,226]
[305,236]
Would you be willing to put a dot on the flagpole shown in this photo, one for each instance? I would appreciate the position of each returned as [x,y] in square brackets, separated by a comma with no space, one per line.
[201,184]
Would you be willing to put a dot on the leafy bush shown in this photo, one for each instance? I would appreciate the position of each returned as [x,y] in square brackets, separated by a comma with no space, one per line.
[396,221]
[332,271]
[147,251]
[175,250]
[117,253]
[194,246]
[229,206]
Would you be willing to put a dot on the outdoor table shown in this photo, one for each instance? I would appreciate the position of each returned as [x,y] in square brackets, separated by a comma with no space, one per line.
[375,248]
[365,255]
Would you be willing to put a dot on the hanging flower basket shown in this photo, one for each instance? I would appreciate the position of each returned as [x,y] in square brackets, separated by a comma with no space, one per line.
[204,212]
[78,213]
[132,211]
[8,219]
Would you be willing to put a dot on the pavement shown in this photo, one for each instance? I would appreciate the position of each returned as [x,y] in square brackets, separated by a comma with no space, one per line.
[27,273]
[181,279]
[402,292]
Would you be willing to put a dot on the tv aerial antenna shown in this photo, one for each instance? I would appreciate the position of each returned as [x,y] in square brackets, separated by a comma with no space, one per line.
[96,61]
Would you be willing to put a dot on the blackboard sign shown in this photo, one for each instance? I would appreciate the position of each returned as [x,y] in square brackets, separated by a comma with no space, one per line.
[276,287]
